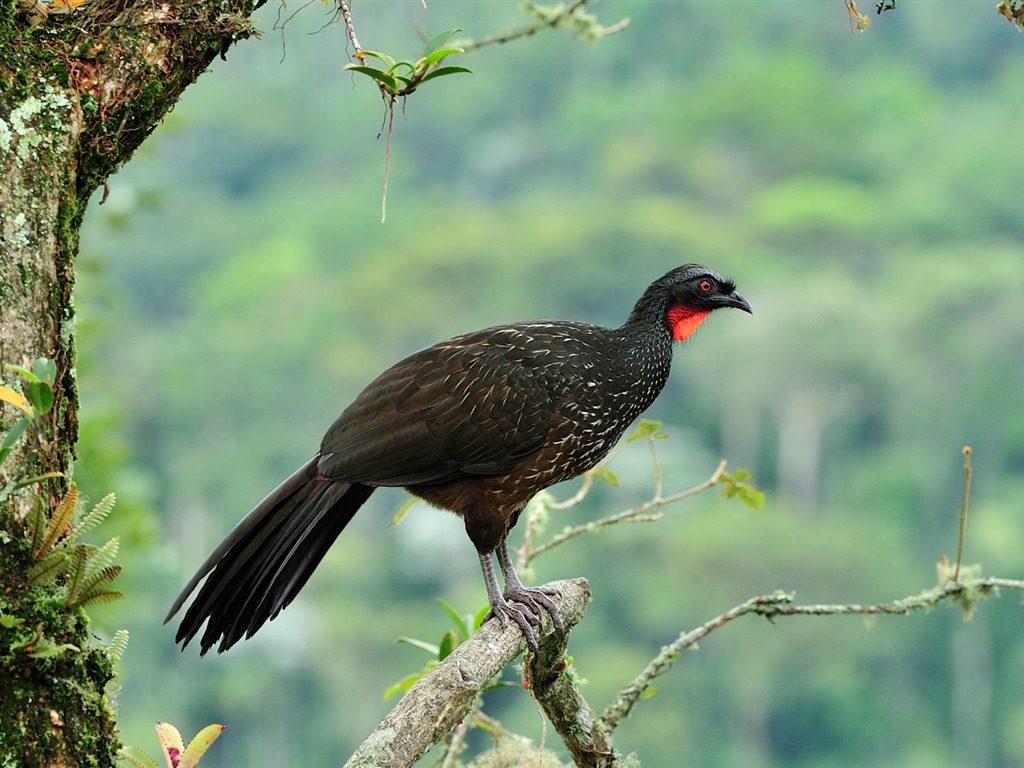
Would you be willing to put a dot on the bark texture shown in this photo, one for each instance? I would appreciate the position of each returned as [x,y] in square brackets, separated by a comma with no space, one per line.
[79,92]
[439,701]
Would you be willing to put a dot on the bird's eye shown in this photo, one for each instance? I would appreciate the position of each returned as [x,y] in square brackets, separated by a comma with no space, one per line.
[705,286]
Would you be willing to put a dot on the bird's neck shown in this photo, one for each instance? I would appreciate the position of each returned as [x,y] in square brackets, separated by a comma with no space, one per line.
[685,320]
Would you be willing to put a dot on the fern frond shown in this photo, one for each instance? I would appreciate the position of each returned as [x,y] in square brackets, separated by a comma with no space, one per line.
[105,576]
[136,757]
[36,521]
[118,645]
[60,521]
[101,558]
[99,596]
[76,573]
[95,516]
[47,566]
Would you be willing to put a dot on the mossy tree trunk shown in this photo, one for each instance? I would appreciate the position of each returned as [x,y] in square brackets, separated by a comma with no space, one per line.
[79,92]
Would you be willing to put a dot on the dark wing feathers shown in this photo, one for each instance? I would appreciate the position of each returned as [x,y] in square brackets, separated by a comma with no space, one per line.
[477,404]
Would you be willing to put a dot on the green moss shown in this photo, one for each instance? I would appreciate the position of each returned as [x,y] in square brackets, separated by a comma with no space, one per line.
[51,709]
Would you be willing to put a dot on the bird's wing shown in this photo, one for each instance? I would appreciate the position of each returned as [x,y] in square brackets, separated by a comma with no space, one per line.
[477,405]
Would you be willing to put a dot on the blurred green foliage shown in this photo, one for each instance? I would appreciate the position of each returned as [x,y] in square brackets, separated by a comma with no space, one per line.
[237,290]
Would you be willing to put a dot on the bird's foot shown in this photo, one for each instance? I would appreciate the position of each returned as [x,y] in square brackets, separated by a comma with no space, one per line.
[524,605]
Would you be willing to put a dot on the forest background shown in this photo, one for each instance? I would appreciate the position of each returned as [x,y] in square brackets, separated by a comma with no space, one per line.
[237,289]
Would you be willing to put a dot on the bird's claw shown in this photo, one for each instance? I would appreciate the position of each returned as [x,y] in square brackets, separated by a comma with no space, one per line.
[526,612]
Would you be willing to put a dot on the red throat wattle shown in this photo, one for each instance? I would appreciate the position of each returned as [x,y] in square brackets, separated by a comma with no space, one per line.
[685,320]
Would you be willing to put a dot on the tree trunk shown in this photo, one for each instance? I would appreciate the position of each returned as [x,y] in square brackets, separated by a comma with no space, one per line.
[78,93]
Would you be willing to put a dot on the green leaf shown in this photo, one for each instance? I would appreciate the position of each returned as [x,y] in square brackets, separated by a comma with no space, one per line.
[41,397]
[448,644]
[10,622]
[478,617]
[752,497]
[401,512]
[423,645]
[402,685]
[499,684]
[442,71]
[436,56]
[407,64]
[648,693]
[376,55]
[736,487]
[645,429]
[26,482]
[607,475]
[376,74]
[12,437]
[45,370]
[199,744]
[23,371]
[438,40]
[461,623]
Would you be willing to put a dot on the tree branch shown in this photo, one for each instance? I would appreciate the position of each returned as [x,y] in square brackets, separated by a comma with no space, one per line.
[640,514]
[550,17]
[555,689]
[965,593]
[440,700]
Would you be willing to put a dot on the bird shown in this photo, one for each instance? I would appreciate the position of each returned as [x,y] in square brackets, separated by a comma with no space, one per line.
[477,424]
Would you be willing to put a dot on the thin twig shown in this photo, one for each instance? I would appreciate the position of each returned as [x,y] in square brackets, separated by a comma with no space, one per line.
[640,514]
[346,14]
[660,664]
[657,468]
[780,604]
[580,495]
[963,511]
[531,29]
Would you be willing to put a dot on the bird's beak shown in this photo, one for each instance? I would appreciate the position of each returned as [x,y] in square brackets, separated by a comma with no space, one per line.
[737,301]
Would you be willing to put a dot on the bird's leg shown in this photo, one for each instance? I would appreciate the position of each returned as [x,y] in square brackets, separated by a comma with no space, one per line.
[534,598]
[502,608]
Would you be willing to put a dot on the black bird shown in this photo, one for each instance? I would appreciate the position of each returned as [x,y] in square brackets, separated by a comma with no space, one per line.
[477,425]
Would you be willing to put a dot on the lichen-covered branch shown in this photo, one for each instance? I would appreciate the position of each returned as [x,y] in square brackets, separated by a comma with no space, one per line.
[965,593]
[441,699]
[554,687]
[552,16]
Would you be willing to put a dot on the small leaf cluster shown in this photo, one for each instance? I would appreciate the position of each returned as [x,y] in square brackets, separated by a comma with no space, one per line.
[585,25]
[173,748]
[646,429]
[35,403]
[86,570]
[400,77]
[462,627]
[1013,12]
[736,486]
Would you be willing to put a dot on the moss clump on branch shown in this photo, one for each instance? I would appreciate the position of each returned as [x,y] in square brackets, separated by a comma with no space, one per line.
[49,673]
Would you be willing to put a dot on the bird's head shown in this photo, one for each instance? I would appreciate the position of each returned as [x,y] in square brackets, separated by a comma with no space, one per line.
[688,294]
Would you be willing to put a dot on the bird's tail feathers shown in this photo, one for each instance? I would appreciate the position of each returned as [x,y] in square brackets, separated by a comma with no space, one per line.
[263,563]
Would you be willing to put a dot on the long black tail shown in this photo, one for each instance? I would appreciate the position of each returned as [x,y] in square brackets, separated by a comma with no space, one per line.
[268,557]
